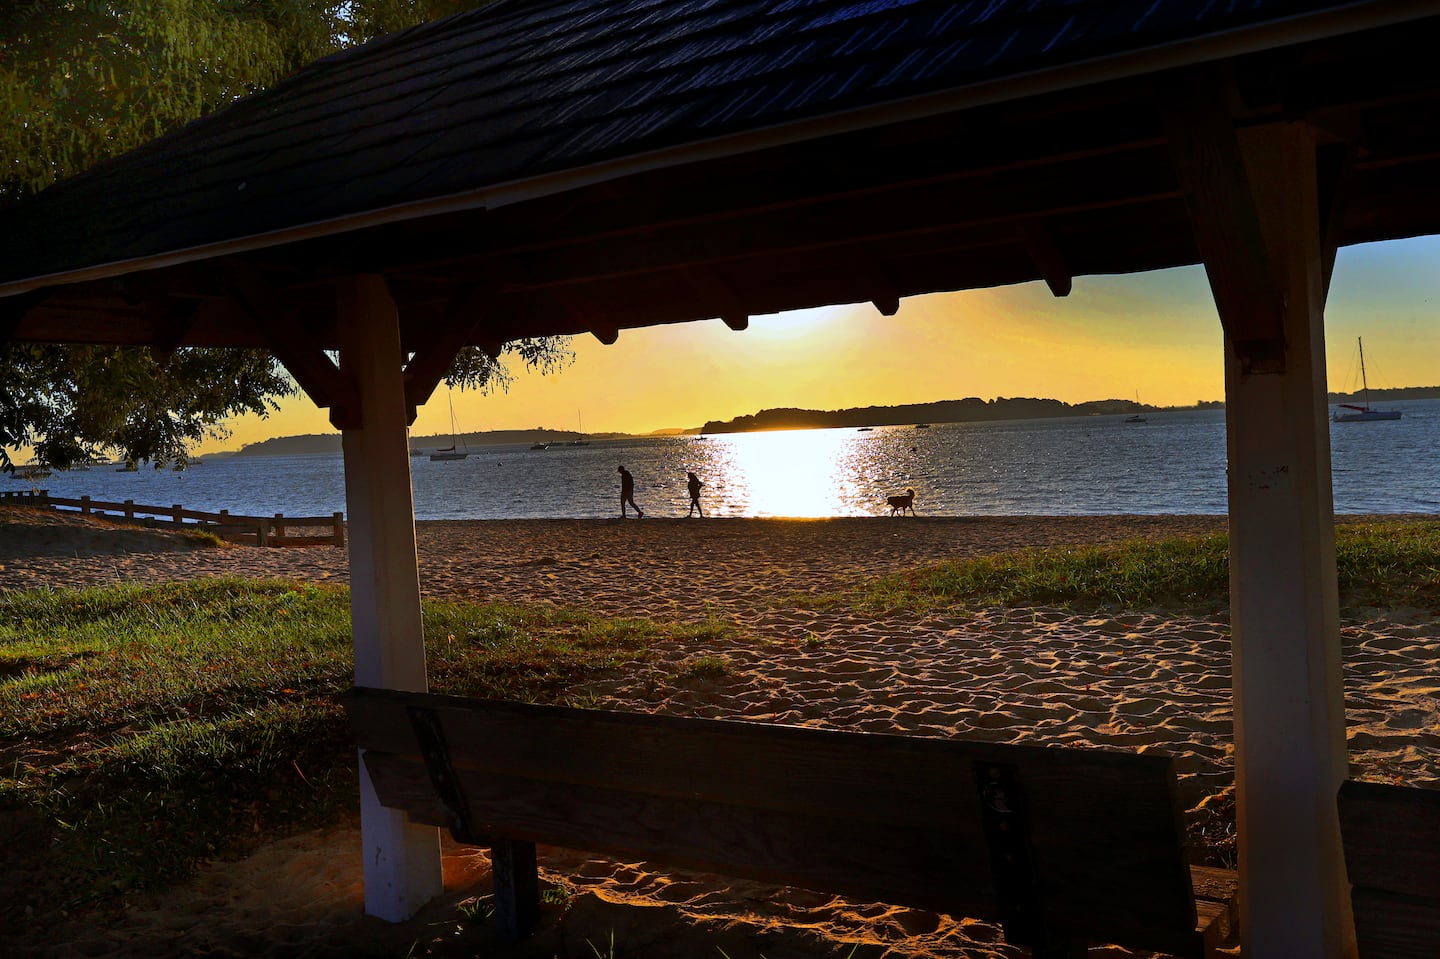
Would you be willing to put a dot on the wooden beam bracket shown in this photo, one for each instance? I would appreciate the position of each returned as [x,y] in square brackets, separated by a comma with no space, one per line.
[713,290]
[1045,254]
[879,288]
[1210,166]
[180,318]
[302,354]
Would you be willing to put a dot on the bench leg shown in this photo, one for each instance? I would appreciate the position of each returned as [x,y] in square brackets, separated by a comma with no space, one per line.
[517,889]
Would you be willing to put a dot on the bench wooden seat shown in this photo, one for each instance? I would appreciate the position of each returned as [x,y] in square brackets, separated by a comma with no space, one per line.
[1062,847]
[1392,854]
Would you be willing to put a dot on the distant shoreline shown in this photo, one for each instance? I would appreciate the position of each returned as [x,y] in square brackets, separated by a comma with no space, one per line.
[968,410]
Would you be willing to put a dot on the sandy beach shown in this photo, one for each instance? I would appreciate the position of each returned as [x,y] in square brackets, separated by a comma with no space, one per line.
[1130,679]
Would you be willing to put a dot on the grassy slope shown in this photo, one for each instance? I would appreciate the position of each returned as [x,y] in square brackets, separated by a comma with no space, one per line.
[144,729]
[1385,564]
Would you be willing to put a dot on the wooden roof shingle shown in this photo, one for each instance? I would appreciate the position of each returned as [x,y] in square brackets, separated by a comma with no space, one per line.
[521,89]
[562,166]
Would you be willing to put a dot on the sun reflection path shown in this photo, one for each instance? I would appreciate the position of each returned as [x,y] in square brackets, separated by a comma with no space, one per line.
[793,473]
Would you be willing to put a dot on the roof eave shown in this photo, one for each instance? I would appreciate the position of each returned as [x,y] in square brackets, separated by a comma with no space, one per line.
[1301,28]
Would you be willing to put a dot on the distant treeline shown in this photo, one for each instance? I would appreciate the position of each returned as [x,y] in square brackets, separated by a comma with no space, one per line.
[313,443]
[973,409]
[969,410]
[1398,393]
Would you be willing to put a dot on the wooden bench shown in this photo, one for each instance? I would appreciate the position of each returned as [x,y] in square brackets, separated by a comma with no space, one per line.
[1392,855]
[1062,847]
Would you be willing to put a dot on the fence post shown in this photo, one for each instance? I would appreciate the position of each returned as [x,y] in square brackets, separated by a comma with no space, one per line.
[175,513]
[85,505]
[262,533]
[339,529]
[129,509]
[279,525]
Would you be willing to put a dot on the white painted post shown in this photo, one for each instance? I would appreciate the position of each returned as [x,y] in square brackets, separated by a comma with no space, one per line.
[402,862]
[1290,754]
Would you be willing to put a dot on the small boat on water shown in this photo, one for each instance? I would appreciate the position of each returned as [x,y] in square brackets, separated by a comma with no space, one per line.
[580,440]
[1362,412]
[541,446]
[1137,416]
[449,453]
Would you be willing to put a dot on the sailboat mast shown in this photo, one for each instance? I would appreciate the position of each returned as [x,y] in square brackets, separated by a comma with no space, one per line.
[1364,383]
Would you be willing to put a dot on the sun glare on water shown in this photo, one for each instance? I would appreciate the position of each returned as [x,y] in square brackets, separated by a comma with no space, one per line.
[795,473]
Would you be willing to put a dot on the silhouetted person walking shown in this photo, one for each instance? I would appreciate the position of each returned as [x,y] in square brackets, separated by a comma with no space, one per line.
[693,484]
[627,493]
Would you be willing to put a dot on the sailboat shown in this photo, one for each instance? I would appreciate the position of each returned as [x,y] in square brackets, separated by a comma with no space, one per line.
[580,421]
[1136,417]
[449,453]
[1362,413]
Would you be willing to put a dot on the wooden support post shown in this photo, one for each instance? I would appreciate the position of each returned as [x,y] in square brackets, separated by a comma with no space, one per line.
[129,509]
[1290,754]
[177,513]
[402,862]
[85,505]
[338,527]
[280,525]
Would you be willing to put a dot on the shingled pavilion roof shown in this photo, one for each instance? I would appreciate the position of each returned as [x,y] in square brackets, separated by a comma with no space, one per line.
[601,164]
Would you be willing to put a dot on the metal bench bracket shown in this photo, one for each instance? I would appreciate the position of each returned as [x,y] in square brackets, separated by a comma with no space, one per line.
[1005,817]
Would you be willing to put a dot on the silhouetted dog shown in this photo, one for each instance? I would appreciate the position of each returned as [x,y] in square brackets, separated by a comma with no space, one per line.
[899,504]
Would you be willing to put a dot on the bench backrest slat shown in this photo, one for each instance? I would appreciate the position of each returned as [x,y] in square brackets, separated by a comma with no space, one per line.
[1392,855]
[888,818]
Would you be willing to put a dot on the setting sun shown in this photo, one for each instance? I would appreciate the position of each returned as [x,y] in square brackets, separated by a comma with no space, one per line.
[1155,336]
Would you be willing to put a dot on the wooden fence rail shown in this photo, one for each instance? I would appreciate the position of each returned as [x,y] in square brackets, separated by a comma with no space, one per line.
[277,530]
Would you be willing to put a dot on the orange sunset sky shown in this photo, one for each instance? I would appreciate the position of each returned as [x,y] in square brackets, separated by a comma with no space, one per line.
[1154,334]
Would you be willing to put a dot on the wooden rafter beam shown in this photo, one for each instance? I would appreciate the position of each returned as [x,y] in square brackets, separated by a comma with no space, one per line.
[1045,253]
[180,317]
[715,292]
[14,308]
[287,338]
[783,188]
[871,278]
[876,221]
[576,317]
[1226,222]
[1335,172]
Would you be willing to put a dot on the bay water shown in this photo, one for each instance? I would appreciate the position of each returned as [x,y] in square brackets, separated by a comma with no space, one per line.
[1174,462]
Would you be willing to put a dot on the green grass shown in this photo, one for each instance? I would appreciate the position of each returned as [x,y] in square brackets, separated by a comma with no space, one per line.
[1386,563]
[145,729]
